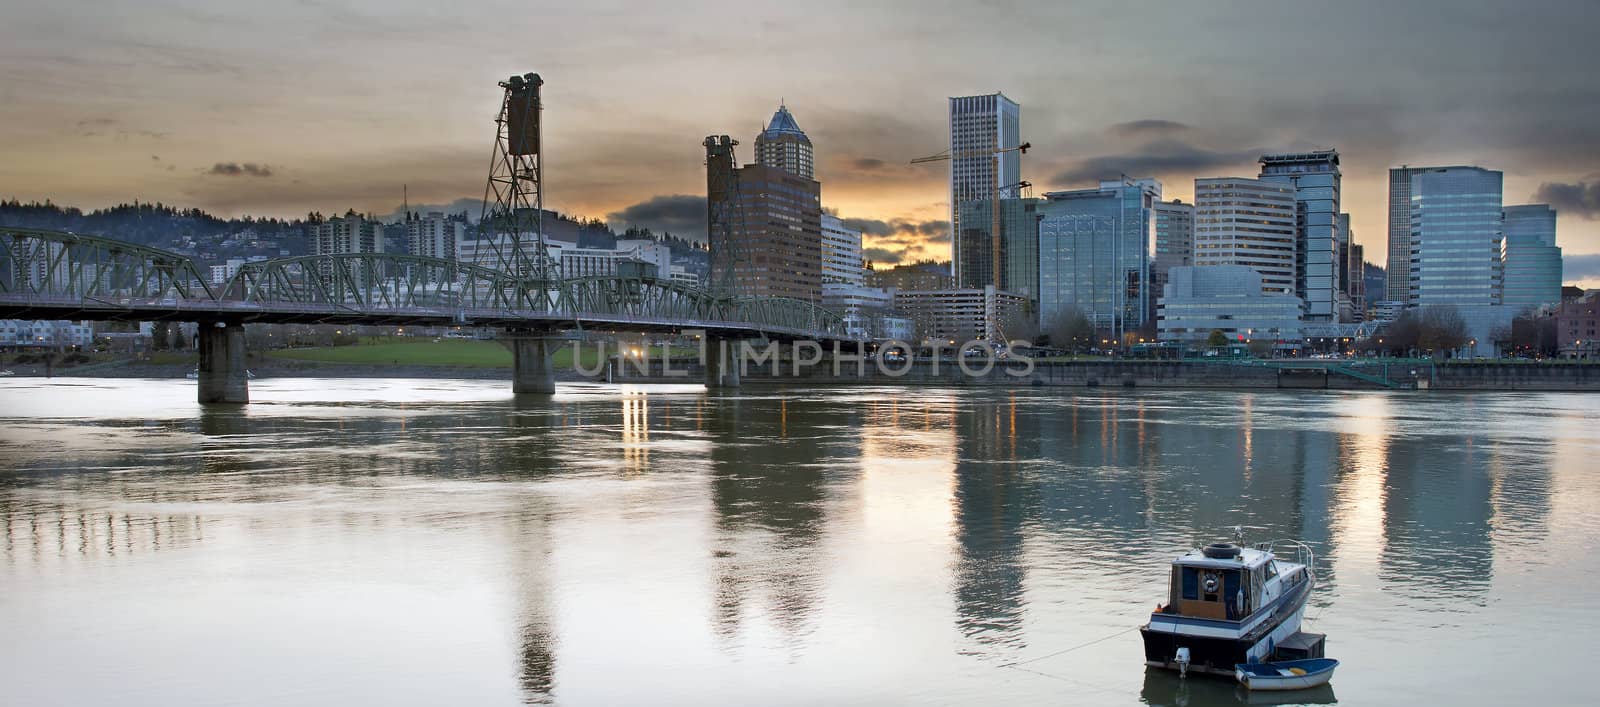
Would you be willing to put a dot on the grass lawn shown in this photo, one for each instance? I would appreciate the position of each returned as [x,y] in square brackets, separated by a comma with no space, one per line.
[423,352]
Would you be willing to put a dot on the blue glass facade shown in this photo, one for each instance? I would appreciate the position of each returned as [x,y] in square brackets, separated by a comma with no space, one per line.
[1532,260]
[1455,236]
[1094,254]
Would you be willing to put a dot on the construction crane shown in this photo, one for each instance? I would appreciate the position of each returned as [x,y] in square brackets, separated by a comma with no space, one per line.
[994,222]
[1022,149]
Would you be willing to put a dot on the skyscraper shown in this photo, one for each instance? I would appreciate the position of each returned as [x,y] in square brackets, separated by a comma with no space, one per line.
[1455,236]
[981,127]
[1094,253]
[1532,258]
[784,146]
[1398,286]
[765,219]
[1315,178]
[1248,222]
[1353,275]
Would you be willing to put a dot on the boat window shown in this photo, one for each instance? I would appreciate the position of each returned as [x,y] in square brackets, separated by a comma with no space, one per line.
[1191,583]
[1272,569]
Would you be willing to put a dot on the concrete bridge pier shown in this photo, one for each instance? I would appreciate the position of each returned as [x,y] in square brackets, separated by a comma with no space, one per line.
[223,378]
[722,363]
[533,367]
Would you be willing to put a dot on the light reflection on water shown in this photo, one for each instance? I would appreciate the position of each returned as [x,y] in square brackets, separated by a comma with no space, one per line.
[425,542]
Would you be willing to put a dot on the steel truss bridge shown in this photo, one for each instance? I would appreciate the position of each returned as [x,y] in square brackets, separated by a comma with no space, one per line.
[59,275]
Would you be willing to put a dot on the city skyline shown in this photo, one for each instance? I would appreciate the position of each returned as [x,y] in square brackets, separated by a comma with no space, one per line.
[251,110]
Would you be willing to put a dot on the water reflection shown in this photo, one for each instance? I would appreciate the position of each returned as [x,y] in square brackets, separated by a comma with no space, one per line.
[811,544]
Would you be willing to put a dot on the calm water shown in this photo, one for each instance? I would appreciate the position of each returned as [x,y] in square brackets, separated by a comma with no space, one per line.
[402,542]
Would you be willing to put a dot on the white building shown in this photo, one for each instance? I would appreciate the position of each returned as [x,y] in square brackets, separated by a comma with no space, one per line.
[434,235]
[841,252]
[868,311]
[222,273]
[1226,298]
[1247,222]
[349,233]
[682,275]
[19,333]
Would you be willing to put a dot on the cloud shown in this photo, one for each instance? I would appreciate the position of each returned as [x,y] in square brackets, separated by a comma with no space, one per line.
[1580,267]
[682,215]
[1580,198]
[1154,159]
[876,227]
[1141,128]
[869,163]
[881,255]
[868,226]
[235,169]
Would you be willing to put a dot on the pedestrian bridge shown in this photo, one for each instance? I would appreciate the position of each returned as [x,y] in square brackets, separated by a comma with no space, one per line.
[59,275]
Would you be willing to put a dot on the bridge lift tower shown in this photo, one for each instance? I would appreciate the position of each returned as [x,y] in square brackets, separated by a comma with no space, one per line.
[513,200]
[513,216]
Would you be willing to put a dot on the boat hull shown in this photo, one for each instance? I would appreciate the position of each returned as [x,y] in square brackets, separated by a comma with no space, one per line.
[1317,672]
[1215,649]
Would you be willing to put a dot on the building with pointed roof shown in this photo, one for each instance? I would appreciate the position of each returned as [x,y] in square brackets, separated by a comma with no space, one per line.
[783,145]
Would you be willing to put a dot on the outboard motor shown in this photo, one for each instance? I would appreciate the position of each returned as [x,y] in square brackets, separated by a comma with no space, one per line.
[1182,658]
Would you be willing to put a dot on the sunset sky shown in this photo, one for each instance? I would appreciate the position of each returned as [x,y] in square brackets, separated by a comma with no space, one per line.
[284,108]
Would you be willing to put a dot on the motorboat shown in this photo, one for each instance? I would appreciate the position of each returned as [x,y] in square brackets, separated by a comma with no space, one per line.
[1230,605]
[1286,674]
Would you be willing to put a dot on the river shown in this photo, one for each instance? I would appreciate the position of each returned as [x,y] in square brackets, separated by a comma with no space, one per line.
[421,542]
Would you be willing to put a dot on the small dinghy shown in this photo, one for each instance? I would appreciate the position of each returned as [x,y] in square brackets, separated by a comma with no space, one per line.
[1286,674]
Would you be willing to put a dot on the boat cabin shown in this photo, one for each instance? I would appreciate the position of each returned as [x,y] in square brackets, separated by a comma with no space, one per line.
[1221,581]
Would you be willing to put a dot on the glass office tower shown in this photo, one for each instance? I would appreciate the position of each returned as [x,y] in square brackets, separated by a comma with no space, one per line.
[1018,258]
[980,128]
[1094,254]
[1315,177]
[1532,260]
[1455,236]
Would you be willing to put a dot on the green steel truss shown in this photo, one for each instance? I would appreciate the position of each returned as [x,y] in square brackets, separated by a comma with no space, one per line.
[52,265]
[97,273]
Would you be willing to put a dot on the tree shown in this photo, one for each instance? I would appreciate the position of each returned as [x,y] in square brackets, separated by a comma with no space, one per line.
[1217,339]
[1441,328]
[1071,330]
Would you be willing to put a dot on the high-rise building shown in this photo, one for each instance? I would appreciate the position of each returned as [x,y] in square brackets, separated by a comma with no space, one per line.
[765,218]
[435,235]
[1018,243]
[1455,236]
[782,145]
[1249,222]
[1352,273]
[1397,288]
[1532,258]
[772,245]
[1094,254]
[1174,239]
[841,252]
[1315,178]
[349,233]
[984,161]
